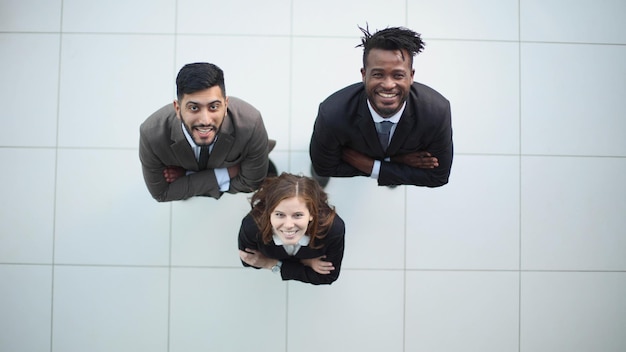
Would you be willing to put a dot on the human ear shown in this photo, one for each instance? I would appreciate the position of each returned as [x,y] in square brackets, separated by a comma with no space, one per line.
[177,109]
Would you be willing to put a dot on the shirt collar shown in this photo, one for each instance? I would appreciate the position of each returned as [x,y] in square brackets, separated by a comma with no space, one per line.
[304,241]
[395,118]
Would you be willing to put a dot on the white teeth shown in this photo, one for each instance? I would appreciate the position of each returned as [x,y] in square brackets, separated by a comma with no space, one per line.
[387,95]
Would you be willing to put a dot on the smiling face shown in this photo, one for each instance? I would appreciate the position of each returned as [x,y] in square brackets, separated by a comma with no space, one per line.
[202,113]
[387,76]
[290,220]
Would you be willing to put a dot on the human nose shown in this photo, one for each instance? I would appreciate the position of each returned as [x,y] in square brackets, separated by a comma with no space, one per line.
[388,82]
[204,116]
[288,223]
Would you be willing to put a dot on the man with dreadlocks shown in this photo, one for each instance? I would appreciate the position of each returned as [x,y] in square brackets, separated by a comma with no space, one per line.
[387,127]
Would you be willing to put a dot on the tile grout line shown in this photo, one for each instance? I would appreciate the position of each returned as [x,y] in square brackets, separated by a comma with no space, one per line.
[404,271]
[519,190]
[423,270]
[56,173]
[171,213]
[290,108]
[289,153]
[169,282]
[217,34]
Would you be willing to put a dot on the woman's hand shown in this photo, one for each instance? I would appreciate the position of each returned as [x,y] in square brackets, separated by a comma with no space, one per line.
[318,265]
[256,259]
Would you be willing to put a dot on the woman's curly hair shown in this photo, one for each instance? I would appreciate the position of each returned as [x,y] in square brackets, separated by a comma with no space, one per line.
[276,189]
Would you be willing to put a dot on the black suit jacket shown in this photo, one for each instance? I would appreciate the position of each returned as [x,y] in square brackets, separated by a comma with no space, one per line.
[292,269]
[344,120]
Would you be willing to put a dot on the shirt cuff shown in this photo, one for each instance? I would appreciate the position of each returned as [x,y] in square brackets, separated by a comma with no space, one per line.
[223,179]
[375,170]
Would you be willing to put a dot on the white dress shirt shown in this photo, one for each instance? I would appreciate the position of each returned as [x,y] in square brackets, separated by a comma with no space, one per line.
[377,118]
[223,179]
[292,249]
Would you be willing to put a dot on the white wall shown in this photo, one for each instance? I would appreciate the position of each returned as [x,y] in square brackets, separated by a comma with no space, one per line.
[524,250]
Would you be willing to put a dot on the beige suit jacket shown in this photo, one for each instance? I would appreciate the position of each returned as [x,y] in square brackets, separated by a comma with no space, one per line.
[242,140]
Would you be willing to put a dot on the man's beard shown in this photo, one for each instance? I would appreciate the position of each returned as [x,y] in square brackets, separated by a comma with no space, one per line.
[190,131]
[385,111]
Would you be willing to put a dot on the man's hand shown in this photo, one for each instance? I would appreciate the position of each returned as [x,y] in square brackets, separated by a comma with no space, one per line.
[421,160]
[319,265]
[256,259]
[172,173]
[233,171]
[360,161]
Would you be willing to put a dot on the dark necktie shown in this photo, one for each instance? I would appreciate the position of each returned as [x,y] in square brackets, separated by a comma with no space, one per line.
[204,157]
[384,129]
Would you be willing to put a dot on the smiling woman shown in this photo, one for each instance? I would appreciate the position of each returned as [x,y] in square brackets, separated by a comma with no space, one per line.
[292,230]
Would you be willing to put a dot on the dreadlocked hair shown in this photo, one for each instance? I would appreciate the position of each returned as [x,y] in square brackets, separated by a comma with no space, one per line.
[391,38]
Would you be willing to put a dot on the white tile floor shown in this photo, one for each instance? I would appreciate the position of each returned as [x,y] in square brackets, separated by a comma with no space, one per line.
[524,250]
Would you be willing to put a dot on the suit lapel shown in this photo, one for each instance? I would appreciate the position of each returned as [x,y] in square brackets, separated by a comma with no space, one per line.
[181,148]
[367,127]
[405,128]
[223,145]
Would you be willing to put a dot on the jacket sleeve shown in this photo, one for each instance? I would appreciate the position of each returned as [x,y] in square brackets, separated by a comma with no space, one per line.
[253,168]
[293,269]
[325,149]
[201,183]
[441,147]
[248,236]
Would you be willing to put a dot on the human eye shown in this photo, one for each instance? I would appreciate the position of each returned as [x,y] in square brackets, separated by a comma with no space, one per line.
[298,215]
[192,107]
[278,214]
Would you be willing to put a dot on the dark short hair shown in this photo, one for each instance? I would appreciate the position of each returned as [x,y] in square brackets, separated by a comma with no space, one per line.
[276,189]
[391,38]
[199,76]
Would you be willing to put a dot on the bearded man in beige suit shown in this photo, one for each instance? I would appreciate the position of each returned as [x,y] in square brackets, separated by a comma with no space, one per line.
[205,143]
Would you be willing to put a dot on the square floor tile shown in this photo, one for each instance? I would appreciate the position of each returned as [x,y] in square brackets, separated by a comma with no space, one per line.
[462,311]
[110,309]
[573,311]
[26,306]
[470,223]
[27,215]
[582,21]
[105,214]
[210,309]
[129,78]
[572,213]
[29,58]
[361,311]
[476,19]
[205,230]
[562,117]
